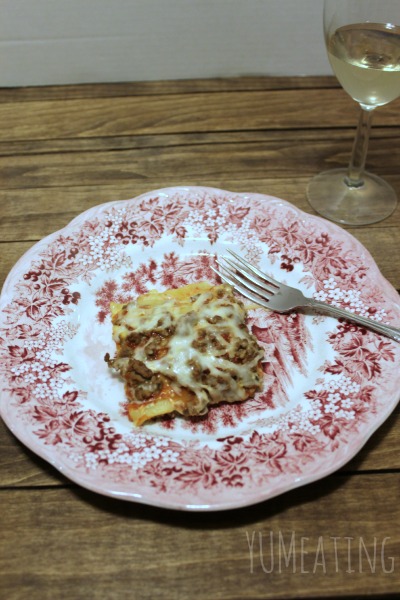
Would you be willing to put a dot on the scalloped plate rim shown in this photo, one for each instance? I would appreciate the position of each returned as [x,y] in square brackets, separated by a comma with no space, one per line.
[261,496]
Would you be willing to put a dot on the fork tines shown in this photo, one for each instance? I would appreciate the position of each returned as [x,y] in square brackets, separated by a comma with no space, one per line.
[247,279]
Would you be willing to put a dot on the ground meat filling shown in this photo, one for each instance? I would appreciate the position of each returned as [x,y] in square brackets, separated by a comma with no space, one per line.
[203,349]
[138,377]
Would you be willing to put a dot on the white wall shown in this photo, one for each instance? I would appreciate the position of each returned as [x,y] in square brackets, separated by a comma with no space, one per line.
[73,41]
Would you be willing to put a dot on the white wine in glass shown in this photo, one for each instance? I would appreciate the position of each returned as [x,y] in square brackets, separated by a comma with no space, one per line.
[363,43]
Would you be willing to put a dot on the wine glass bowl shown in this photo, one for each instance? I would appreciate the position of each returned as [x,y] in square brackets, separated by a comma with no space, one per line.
[366,60]
[363,44]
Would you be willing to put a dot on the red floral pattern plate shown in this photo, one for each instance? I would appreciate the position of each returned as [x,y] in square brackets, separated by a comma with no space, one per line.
[327,386]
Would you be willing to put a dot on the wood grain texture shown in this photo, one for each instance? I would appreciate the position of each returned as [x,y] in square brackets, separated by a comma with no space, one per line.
[66,149]
[130,142]
[201,112]
[247,161]
[139,88]
[219,111]
[75,544]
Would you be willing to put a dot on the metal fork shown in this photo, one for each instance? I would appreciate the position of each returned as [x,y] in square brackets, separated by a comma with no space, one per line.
[270,293]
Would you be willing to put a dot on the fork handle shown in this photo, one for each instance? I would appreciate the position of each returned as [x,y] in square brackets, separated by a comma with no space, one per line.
[391,332]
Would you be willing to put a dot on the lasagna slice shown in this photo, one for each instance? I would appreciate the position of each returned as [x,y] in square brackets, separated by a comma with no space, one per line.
[181,350]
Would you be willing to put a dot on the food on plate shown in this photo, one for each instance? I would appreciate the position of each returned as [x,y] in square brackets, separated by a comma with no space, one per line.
[181,350]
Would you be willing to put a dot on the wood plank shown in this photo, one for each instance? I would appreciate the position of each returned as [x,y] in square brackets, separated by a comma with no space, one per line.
[64,149]
[181,86]
[184,113]
[246,161]
[129,142]
[67,543]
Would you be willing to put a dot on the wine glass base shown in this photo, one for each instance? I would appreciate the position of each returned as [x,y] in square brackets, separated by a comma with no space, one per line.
[373,201]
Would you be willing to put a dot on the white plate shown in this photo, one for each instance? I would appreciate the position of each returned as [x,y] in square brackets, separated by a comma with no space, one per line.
[328,385]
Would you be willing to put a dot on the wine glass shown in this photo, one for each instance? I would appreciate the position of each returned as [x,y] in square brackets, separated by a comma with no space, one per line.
[363,43]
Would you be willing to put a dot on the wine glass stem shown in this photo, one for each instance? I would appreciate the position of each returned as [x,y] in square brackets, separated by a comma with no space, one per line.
[360,148]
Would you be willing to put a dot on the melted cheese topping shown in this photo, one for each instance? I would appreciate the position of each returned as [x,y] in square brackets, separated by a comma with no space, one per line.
[184,349]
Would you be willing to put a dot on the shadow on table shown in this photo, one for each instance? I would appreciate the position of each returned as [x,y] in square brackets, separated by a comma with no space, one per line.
[215,519]
[234,517]
[249,514]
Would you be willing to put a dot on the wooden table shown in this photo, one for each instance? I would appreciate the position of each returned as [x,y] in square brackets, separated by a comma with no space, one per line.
[65,149]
